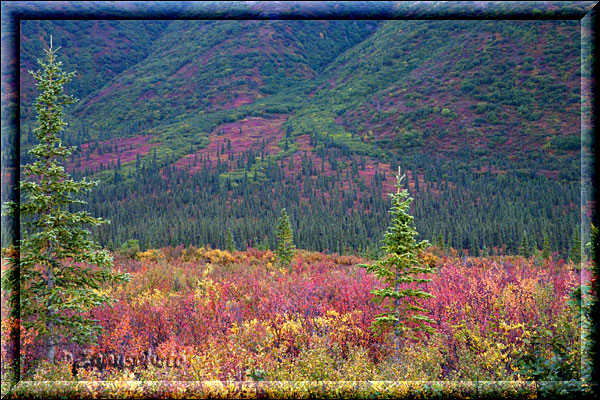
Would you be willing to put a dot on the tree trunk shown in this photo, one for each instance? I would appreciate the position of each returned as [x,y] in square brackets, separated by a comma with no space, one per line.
[397,328]
[50,342]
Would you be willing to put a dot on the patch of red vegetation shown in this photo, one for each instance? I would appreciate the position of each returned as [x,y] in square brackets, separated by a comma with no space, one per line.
[227,102]
[188,70]
[107,91]
[127,149]
[243,136]
[241,100]
[548,174]
[148,94]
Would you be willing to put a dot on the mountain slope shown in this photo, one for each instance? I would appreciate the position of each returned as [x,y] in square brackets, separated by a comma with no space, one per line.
[97,50]
[457,86]
[207,66]
[222,123]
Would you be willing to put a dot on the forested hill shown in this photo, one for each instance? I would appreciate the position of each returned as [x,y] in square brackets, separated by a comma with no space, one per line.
[190,123]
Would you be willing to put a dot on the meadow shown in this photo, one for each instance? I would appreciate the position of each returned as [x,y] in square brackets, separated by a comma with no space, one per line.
[201,314]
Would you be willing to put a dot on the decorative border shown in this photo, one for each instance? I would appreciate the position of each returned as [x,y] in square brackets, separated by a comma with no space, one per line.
[13,12]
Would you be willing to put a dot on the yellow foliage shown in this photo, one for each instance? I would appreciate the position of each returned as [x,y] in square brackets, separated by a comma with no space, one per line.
[206,291]
[216,256]
[150,255]
[430,259]
[151,296]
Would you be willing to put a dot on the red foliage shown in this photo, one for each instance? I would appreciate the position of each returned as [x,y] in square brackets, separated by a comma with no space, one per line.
[127,150]
[186,301]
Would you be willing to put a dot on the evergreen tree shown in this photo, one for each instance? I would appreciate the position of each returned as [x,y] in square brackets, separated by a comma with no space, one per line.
[54,258]
[575,248]
[440,241]
[229,242]
[524,250]
[546,252]
[285,242]
[400,271]
[590,340]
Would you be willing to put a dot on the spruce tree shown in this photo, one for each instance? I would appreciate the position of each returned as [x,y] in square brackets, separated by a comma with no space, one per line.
[401,271]
[575,248]
[229,242]
[546,253]
[285,241]
[60,270]
[524,250]
[440,241]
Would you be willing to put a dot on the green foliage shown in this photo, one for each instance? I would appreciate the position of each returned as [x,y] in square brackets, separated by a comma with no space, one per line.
[230,242]
[400,270]
[446,112]
[525,249]
[56,281]
[584,299]
[285,241]
[575,249]
[564,143]
[546,252]
[130,248]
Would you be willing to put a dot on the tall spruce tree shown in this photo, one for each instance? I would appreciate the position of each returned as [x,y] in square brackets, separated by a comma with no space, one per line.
[401,270]
[575,248]
[546,252]
[230,242]
[60,270]
[524,250]
[285,240]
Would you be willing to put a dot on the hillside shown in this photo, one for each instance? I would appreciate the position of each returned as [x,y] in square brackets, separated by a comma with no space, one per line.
[449,87]
[97,50]
[481,114]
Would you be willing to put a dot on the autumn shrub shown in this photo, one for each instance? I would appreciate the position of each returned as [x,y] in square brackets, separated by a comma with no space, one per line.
[320,362]
[311,257]
[151,255]
[173,253]
[50,371]
[216,256]
[129,249]
[238,316]
[190,253]
[486,308]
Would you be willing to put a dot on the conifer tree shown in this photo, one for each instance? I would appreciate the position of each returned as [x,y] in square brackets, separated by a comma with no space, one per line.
[524,250]
[285,241]
[401,271]
[546,253]
[440,241]
[575,248]
[60,269]
[229,242]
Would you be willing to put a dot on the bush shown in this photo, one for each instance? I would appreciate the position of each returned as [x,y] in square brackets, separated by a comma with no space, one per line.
[564,143]
[130,248]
